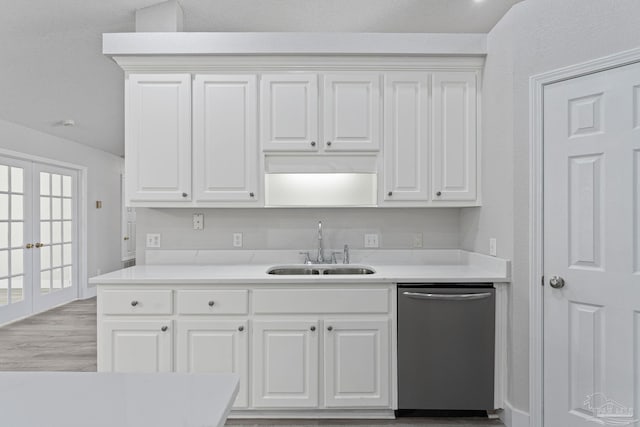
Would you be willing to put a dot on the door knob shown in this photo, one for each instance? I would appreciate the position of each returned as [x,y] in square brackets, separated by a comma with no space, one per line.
[556,282]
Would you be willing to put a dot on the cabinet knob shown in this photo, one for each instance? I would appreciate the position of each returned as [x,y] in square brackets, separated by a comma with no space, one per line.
[126,237]
[251,194]
[439,193]
[164,328]
[211,303]
[39,245]
[241,328]
[329,328]
[328,143]
[390,193]
[29,245]
[184,194]
[313,143]
[134,303]
[313,328]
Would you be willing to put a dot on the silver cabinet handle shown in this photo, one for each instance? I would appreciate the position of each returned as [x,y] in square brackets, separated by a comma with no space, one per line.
[448,297]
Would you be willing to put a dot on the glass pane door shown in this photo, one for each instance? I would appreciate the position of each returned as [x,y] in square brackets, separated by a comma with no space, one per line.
[15,232]
[55,236]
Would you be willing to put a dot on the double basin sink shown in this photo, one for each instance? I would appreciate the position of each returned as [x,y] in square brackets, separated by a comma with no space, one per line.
[319,270]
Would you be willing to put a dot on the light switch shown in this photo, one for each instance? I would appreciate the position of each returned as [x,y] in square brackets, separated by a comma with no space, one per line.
[493,247]
[237,240]
[417,240]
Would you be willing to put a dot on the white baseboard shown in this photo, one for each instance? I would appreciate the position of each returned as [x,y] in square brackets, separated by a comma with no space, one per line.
[513,417]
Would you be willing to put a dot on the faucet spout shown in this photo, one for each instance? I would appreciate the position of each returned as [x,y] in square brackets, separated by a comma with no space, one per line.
[320,257]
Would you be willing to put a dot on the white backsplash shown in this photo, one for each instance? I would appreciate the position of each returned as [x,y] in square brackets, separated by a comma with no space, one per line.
[297,228]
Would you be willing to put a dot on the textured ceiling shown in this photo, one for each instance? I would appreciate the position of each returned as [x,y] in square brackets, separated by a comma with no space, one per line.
[51,66]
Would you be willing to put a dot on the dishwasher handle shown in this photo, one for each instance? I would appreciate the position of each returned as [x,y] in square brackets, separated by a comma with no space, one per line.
[448,297]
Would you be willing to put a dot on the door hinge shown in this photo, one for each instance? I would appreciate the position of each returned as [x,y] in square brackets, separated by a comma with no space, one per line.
[542,281]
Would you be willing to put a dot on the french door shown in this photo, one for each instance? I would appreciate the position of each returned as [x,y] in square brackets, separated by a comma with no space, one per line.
[38,237]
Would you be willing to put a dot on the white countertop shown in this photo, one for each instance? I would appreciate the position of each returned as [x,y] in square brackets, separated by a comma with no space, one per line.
[250,267]
[81,399]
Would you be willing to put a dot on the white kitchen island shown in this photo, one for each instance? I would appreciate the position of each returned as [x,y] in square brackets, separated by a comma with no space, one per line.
[88,399]
[303,345]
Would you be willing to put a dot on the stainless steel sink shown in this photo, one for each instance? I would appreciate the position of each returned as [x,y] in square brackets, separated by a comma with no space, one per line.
[348,270]
[319,269]
[293,271]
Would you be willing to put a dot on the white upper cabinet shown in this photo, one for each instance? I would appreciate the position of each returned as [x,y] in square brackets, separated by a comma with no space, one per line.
[158,137]
[406,138]
[289,112]
[225,144]
[351,112]
[454,136]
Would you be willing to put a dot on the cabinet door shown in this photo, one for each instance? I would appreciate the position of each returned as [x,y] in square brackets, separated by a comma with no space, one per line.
[225,140]
[455,139]
[285,364]
[137,346]
[351,112]
[406,137]
[213,346]
[356,356]
[158,137]
[289,112]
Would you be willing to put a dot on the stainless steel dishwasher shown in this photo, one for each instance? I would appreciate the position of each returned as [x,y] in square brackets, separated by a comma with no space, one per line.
[446,347]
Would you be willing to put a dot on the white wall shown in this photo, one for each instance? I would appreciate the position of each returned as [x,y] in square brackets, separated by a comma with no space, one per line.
[103,183]
[534,37]
[297,228]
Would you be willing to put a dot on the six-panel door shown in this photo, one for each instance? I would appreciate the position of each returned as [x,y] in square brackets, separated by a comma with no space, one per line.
[289,112]
[158,137]
[285,364]
[356,357]
[137,346]
[214,346]
[351,112]
[225,138]
[406,137]
[454,136]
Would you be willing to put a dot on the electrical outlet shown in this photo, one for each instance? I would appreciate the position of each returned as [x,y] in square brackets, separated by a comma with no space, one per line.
[417,240]
[493,247]
[371,241]
[198,221]
[153,240]
[237,240]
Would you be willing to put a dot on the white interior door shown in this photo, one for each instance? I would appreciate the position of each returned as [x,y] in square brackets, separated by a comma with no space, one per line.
[38,237]
[592,245]
[15,234]
[55,278]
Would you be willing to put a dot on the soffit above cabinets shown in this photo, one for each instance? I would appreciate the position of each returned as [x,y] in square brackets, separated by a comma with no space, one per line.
[187,43]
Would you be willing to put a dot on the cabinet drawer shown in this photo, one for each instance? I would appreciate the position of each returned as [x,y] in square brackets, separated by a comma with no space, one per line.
[137,302]
[321,301]
[213,302]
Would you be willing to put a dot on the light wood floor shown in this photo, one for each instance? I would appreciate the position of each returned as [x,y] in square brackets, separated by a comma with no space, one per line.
[64,339]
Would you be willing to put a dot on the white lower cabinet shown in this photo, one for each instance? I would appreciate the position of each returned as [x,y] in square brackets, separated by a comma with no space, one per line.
[214,346]
[356,363]
[137,346]
[298,349]
[285,364]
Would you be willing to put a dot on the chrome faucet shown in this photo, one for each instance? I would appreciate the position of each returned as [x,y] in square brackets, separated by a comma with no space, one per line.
[320,256]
